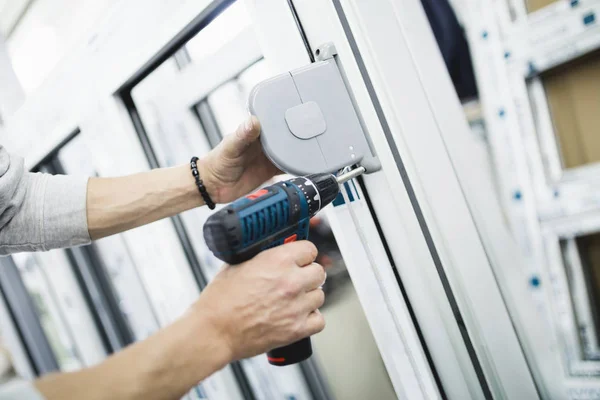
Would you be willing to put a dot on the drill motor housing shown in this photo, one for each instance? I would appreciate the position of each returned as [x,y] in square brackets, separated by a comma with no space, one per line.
[269,217]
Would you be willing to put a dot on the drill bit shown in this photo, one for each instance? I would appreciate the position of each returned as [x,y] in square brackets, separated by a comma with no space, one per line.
[351,174]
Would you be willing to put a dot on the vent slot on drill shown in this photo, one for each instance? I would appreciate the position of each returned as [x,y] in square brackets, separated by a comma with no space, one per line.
[263,223]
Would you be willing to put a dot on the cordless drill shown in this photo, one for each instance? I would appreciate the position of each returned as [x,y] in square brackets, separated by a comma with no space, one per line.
[272,216]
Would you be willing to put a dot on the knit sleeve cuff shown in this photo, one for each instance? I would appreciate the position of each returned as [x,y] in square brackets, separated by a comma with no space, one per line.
[65,214]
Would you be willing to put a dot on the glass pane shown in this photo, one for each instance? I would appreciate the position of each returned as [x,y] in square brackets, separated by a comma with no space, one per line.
[228,102]
[589,248]
[220,31]
[349,374]
[77,158]
[61,308]
[572,96]
[582,263]
[229,106]
[8,364]
[207,119]
[253,75]
[47,31]
[163,130]
[535,5]
[346,348]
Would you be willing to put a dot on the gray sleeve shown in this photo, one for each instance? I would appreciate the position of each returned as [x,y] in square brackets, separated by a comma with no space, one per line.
[39,212]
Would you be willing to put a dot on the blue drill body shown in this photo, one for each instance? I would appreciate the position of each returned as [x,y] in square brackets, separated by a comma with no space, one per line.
[270,217]
[265,220]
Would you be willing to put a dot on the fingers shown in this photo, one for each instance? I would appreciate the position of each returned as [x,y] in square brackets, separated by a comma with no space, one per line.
[314,222]
[246,134]
[311,276]
[315,323]
[295,254]
[313,300]
[303,252]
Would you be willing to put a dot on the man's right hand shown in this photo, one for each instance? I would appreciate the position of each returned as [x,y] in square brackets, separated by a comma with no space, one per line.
[267,302]
[248,309]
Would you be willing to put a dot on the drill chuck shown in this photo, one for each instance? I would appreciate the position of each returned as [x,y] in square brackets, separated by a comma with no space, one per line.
[327,187]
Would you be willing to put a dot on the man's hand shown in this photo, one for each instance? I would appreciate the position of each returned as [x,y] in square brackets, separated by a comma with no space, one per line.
[232,169]
[237,165]
[248,309]
[267,302]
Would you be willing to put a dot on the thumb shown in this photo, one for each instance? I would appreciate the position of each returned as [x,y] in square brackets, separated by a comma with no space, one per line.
[236,143]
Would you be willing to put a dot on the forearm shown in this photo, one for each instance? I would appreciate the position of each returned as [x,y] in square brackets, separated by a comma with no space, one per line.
[165,366]
[118,204]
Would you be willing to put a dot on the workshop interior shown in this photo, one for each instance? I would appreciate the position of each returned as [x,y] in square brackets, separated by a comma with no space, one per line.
[442,155]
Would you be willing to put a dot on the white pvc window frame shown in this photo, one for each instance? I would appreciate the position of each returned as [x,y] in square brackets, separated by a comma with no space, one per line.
[570,296]
[409,107]
[557,174]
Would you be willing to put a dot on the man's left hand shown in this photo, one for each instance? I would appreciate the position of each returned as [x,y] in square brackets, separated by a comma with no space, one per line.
[237,165]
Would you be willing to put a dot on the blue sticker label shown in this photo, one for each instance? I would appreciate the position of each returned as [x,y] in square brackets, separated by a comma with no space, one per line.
[349,191]
[339,200]
[352,194]
[589,19]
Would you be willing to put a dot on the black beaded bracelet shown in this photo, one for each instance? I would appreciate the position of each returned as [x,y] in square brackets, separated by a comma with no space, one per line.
[201,187]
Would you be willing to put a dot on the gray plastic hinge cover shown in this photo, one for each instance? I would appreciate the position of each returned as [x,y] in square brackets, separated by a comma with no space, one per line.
[308,120]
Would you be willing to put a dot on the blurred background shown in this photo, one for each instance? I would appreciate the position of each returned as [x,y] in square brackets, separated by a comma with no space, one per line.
[527,74]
